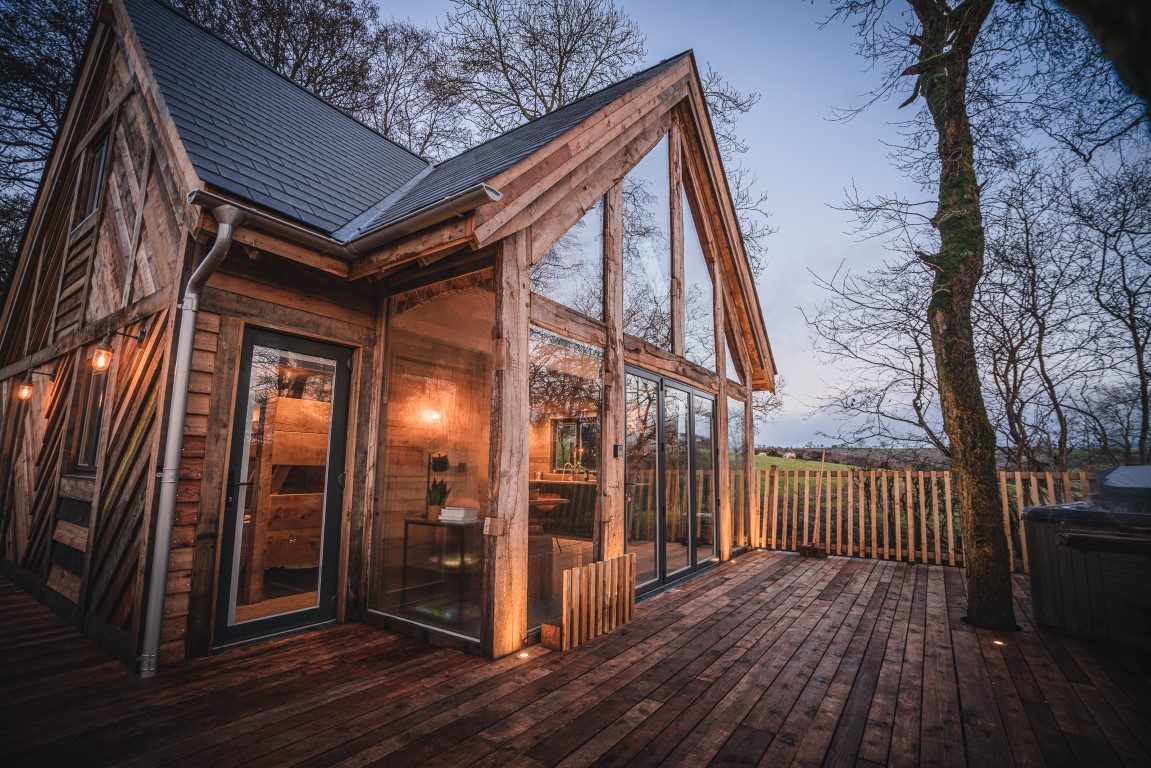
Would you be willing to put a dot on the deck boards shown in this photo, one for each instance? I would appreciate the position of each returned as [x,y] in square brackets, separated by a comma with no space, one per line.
[771,659]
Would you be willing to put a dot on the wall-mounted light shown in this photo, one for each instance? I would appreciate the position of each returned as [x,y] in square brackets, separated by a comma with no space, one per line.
[102,354]
[24,391]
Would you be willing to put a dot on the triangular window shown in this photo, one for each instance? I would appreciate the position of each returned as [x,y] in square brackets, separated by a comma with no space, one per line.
[571,272]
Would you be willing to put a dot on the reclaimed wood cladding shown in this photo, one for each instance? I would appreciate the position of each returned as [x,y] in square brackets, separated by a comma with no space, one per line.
[191,495]
[33,438]
[84,536]
[129,466]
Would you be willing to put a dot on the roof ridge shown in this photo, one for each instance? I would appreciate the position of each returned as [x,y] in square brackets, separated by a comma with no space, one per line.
[220,38]
[353,227]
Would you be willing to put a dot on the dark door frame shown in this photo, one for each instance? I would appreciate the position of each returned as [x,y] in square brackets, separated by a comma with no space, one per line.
[226,634]
[663,578]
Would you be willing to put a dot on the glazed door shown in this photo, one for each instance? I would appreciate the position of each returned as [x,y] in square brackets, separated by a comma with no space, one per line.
[669,474]
[280,541]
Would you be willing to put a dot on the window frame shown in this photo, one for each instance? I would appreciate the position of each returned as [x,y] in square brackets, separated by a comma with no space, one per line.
[93,175]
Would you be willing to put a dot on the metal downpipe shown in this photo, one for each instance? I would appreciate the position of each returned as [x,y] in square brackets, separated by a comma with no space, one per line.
[228,218]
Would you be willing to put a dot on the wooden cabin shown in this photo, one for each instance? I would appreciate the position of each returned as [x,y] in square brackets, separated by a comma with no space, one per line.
[263,369]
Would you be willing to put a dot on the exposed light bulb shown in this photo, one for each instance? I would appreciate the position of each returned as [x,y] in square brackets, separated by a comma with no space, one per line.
[102,356]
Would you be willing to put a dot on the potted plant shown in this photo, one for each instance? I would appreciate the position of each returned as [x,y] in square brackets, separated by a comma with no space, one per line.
[437,496]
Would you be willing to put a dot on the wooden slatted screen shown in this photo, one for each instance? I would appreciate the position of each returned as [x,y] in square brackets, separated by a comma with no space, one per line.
[893,515]
[597,598]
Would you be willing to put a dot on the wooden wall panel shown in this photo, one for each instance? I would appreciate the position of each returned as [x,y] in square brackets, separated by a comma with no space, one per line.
[128,469]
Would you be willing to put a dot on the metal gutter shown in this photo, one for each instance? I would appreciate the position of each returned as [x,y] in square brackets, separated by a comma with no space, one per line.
[228,218]
[451,207]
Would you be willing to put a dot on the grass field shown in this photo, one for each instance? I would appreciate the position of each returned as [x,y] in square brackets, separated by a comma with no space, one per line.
[765,462]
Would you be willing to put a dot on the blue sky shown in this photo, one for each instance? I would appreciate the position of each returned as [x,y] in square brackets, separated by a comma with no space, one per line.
[803,157]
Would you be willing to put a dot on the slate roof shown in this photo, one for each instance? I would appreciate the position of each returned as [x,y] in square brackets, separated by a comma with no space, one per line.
[251,132]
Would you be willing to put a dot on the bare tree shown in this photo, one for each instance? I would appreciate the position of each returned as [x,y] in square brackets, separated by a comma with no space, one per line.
[1114,212]
[725,105]
[41,45]
[1036,339]
[14,208]
[415,103]
[766,406]
[873,329]
[327,46]
[937,50]
[518,59]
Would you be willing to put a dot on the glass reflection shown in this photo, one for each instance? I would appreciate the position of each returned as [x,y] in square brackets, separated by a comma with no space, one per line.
[641,495]
[427,561]
[647,249]
[565,386]
[703,431]
[571,272]
[677,479]
[698,297]
[285,464]
[737,470]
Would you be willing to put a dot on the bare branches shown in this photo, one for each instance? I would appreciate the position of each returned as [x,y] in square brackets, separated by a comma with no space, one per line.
[515,60]
[41,44]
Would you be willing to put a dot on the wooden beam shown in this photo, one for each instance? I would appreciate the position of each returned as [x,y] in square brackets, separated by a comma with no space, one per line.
[578,190]
[675,180]
[449,235]
[522,184]
[650,357]
[505,609]
[145,307]
[566,322]
[721,447]
[286,249]
[611,530]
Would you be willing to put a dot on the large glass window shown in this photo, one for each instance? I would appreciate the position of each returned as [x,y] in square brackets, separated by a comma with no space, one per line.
[641,493]
[698,297]
[703,433]
[427,539]
[647,249]
[737,470]
[565,384]
[571,272]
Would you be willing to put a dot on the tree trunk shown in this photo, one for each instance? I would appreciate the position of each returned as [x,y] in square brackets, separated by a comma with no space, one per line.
[944,51]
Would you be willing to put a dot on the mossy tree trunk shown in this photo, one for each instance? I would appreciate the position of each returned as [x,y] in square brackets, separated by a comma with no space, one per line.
[944,51]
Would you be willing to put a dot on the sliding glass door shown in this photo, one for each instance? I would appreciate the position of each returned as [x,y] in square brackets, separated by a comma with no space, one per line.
[669,478]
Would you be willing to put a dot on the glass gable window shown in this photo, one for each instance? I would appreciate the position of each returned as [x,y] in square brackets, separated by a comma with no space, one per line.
[565,386]
[733,372]
[647,249]
[427,562]
[571,272]
[699,299]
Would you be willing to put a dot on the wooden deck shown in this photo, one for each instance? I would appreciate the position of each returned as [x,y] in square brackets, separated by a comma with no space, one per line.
[771,659]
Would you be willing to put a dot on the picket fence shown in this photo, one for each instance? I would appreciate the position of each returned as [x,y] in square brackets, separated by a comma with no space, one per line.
[907,515]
